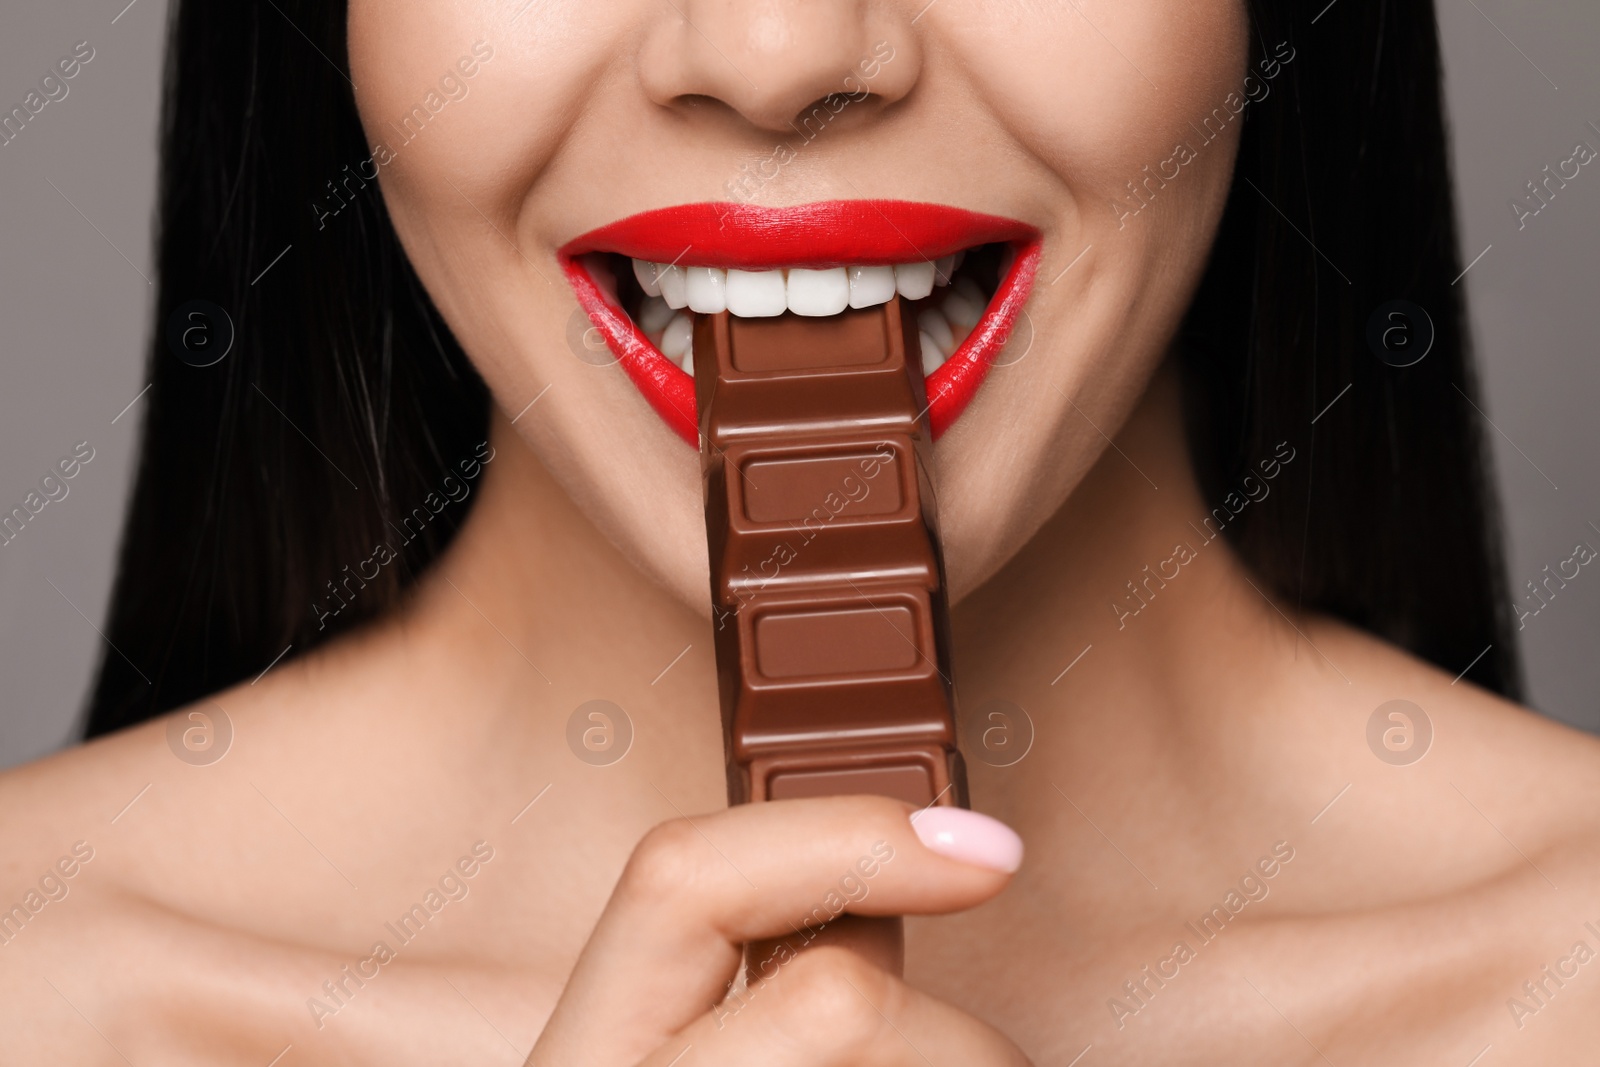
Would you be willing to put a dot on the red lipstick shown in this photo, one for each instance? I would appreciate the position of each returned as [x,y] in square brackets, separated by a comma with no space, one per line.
[819,235]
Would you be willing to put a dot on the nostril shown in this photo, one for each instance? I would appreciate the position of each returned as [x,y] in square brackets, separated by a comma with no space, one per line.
[698,101]
[777,67]
[828,110]
[823,112]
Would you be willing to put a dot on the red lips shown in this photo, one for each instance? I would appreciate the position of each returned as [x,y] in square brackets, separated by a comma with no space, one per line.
[826,234]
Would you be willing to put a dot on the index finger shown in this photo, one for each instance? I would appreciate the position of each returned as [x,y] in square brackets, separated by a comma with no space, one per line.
[695,890]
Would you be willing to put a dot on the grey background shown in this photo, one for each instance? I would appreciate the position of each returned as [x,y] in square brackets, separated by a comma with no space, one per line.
[75,308]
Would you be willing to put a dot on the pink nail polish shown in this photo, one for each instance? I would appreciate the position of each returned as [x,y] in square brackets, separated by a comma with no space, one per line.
[970,837]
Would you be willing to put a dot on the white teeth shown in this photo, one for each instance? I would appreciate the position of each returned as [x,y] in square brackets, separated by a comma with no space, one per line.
[932,358]
[673,286]
[645,271]
[932,324]
[963,305]
[805,292]
[914,280]
[961,257]
[818,292]
[870,286]
[677,337]
[756,294]
[706,289]
[654,314]
[672,291]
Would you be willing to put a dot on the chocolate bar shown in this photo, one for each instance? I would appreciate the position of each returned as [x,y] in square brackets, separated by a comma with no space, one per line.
[827,580]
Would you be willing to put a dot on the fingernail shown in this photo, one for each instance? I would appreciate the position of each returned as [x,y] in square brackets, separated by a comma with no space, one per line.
[970,837]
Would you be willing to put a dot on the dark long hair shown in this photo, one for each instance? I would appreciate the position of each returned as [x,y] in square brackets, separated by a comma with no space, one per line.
[345,399]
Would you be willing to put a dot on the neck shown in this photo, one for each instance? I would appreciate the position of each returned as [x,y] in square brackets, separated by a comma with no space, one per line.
[1124,605]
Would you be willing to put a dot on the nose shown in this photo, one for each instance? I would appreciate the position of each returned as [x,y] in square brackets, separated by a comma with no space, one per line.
[774,61]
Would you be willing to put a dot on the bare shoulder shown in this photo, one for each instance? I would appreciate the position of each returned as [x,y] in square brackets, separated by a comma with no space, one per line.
[67,804]
[1457,841]
[163,801]
[77,843]
[1459,787]
[1417,713]
[218,847]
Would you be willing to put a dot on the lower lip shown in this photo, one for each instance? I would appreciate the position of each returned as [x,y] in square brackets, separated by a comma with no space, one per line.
[670,390]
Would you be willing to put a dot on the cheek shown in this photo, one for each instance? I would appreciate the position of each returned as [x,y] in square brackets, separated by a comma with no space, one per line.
[533,78]
[480,198]
[1092,105]
[1096,89]
[463,191]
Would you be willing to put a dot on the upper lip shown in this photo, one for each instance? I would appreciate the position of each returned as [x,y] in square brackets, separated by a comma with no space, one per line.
[825,234]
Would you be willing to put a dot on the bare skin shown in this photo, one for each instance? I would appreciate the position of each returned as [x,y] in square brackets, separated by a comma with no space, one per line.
[1217,734]
[1195,740]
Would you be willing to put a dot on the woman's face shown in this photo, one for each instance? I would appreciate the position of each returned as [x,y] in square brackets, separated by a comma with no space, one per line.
[1077,155]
